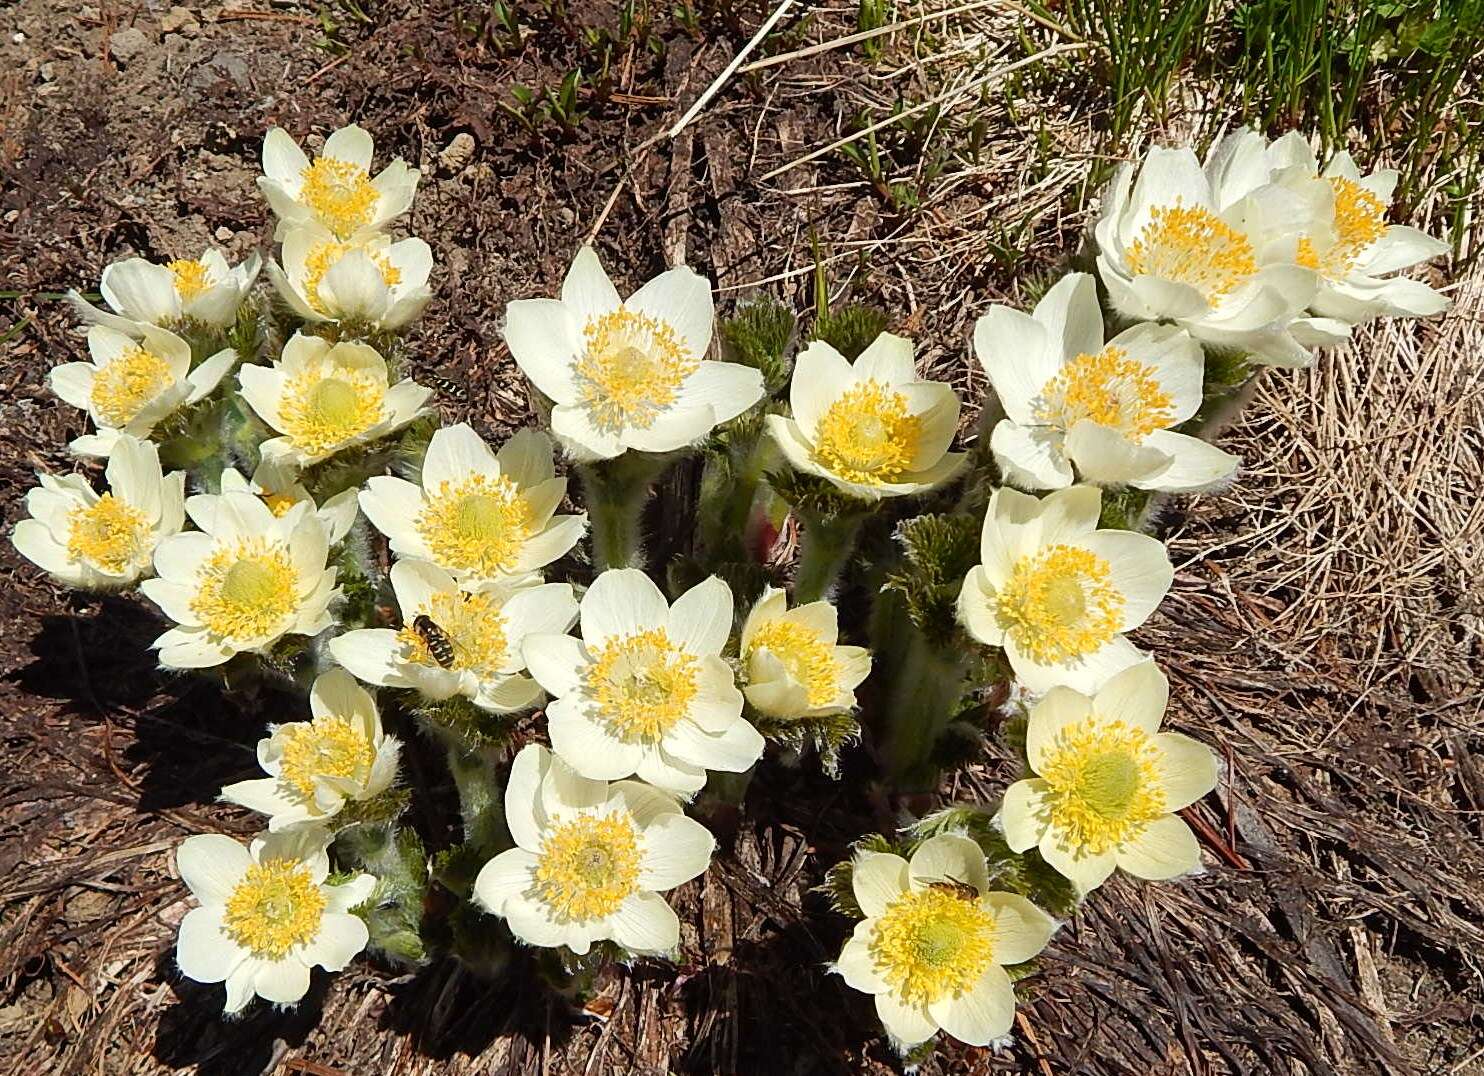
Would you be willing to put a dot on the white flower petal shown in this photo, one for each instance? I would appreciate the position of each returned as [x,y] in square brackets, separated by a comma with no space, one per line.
[621,602]
[1166,849]
[877,879]
[644,923]
[676,849]
[982,1013]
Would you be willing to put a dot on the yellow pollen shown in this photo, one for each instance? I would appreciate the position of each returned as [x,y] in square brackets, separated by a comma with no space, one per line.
[1191,245]
[867,436]
[477,525]
[274,909]
[278,503]
[127,385]
[341,195]
[328,746]
[1060,604]
[1108,388]
[643,685]
[248,591]
[808,659]
[475,626]
[110,535]
[327,406]
[588,867]
[322,258]
[190,277]
[1359,220]
[1104,784]
[631,369]
[933,944]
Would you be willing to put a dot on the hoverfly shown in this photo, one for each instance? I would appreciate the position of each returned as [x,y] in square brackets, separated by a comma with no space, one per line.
[956,886]
[435,638]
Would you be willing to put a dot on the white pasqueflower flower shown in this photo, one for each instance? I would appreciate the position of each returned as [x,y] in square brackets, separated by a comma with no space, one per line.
[1108,783]
[1173,248]
[1057,593]
[628,374]
[130,385]
[794,667]
[478,514]
[103,542]
[323,398]
[242,582]
[204,290]
[591,859]
[1343,237]
[935,939]
[645,690]
[274,484]
[871,427]
[1070,399]
[483,627]
[337,190]
[370,282]
[316,767]
[266,915]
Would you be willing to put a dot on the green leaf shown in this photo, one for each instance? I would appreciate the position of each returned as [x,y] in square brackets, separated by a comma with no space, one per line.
[760,335]
[850,329]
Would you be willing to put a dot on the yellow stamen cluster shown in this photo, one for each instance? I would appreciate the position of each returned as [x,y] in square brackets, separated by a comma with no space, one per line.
[933,944]
[588,867]
[278,503]
[247,591]
[867,435]
[328,746]
[1359,220]
[190,277]
[475,626]
[324,408]
[478,525]
[631,369]
[127,385]
[322,258]
[111,535]
[1191,245]
[1108,388]
[1060,604]
[341,195]
[643,685]
[1104,784]
[807,657]
[274,909]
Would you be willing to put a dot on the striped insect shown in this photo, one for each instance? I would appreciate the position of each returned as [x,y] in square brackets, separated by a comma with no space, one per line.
[435,639]
[959,888]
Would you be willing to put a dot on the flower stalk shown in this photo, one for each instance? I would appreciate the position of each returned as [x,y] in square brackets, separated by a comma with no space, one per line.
[825,546]
[616,491]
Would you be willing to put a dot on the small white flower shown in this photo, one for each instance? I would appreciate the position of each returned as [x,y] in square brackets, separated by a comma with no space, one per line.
[590,859]
[630,374]
[1170,248]
[872,427]
[371,282]
[266,914]
[1108,783]
[324,398]
[1057,593]
[337,191]
[478,514]
[931,953]
[274,485]
[100,543]
[204,290]
[130,385]
[645,690]
[242,582]
[794,667]
[1107,408]
[316,767]
[484,628]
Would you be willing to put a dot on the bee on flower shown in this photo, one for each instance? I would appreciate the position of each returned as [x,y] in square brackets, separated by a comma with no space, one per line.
[591,859]
[872,428]
[131,385]
[1058,593]
[935,940]
[795,669]
[95,542]
[323,398]
[1077,407]
[1108,783]
[202,291]
[243,582]
[628,374]
[370,283]
[266,914]
[336,190]
[316,767]
[275,485]
[458,641]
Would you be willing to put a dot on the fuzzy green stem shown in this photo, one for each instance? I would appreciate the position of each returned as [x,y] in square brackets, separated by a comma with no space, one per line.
[824,548]
[615,491]
[926,688]
[394,855]
[481,799]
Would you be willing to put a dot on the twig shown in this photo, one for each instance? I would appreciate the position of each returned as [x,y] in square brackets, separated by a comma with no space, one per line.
[1035,1043]
[731,67]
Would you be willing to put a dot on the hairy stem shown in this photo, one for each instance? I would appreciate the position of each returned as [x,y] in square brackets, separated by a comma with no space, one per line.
[824,550]
[616,491]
